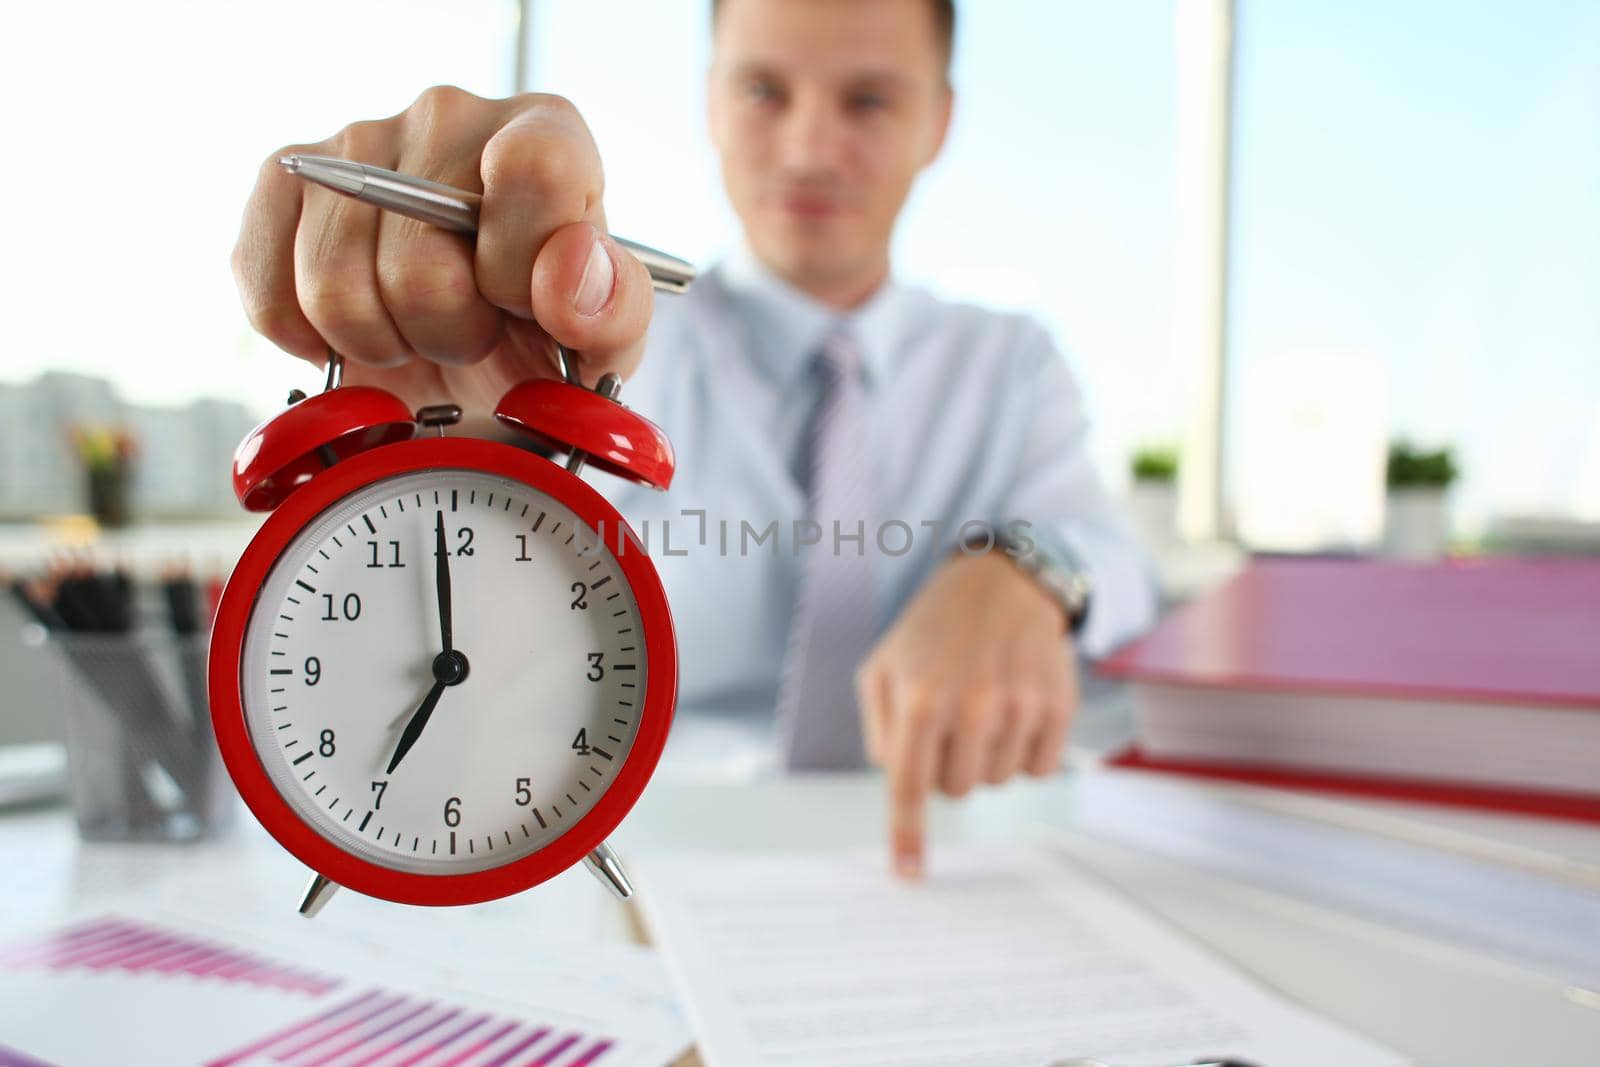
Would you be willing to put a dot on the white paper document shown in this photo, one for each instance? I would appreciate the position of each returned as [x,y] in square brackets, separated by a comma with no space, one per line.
[1001,956]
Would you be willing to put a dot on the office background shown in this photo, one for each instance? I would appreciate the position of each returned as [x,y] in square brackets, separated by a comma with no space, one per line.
[1410,241]
[1272,236]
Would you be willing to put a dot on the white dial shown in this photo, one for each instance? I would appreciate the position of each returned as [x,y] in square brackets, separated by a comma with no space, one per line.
[436,759]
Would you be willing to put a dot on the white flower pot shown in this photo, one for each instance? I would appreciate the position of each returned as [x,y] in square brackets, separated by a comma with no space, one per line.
[1153,509]
[1416,522]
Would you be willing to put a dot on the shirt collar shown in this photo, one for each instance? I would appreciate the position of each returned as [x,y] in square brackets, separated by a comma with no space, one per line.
[786,326]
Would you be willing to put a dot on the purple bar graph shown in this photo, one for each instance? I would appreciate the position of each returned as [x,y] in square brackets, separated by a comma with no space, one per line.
[380,1026]
[372,1028]
[13,1058]
[141,948]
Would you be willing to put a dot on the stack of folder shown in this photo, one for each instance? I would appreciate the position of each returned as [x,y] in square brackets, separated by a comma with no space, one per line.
[1467,682]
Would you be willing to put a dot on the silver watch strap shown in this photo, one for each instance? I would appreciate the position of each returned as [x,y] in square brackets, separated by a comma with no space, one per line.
[1049,561]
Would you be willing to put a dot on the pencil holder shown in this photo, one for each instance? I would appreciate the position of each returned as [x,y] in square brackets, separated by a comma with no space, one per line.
[142,762]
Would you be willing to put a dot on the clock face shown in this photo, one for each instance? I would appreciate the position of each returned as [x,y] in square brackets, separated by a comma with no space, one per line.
[428,760]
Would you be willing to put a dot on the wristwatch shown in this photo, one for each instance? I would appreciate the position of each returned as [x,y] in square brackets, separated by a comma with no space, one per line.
[1052,565]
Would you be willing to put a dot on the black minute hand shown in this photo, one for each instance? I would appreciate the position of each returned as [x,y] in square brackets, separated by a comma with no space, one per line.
[442,580]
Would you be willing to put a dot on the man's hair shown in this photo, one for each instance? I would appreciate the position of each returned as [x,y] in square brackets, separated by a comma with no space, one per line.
[944,24]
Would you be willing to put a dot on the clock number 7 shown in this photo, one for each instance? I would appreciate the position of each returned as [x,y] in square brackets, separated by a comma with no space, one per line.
[378,788]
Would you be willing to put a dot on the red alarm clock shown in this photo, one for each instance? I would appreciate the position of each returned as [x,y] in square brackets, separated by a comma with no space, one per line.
[443,670]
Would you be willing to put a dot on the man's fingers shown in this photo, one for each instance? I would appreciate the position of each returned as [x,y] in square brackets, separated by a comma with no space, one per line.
[319,271]
[1058,708]
[335,257]
[540,171]
[913,741]
[425,278]
[336,277]
[872,698]
[1010,744]
[591,295]
[977,723]
[263,262]
[1044,752]
[426,274]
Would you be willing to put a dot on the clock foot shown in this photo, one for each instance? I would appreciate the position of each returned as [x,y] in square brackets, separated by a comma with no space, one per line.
[606,867]
[316,895]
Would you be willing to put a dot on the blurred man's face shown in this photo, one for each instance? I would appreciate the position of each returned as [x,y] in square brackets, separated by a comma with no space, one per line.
[823,112]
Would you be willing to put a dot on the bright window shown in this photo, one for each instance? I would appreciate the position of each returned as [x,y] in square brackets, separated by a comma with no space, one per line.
[136,130]
[1415,198]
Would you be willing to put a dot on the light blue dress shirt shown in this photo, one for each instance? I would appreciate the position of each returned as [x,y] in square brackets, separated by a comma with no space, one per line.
[972,415]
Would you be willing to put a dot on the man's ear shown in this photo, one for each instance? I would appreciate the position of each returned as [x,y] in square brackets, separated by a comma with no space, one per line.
[946,108]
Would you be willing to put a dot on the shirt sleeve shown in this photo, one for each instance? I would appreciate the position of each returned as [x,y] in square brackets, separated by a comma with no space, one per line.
[1057,492]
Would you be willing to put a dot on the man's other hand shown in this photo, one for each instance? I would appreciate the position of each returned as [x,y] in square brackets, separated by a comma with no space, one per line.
[975,682]
[437,316]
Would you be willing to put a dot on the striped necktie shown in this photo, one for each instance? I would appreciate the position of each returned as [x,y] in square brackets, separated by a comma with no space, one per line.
[834,621]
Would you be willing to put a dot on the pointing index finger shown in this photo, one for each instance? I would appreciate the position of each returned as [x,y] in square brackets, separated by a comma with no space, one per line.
[912,744]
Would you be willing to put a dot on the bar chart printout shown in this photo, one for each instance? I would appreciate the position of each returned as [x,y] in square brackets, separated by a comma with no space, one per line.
[164,997]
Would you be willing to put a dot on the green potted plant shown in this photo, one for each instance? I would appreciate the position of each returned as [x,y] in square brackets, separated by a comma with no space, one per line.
[106,454]
[1153,495]
[1416,507]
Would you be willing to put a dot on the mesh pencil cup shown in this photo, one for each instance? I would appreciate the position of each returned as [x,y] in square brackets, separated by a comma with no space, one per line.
[142,761]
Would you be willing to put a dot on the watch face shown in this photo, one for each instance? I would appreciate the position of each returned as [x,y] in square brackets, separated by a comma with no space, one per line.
[432,755]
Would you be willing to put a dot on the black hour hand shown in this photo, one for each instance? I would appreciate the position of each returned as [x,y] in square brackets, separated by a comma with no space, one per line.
[413,729]
[449,668]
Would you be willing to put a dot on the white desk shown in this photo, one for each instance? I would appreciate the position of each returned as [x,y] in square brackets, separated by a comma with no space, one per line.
[1443,1006]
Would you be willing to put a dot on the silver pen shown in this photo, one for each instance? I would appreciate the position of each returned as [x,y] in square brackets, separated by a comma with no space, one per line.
[450,208]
